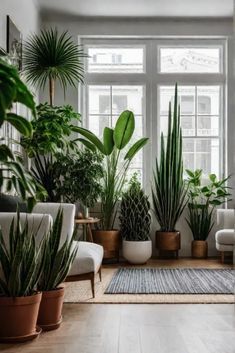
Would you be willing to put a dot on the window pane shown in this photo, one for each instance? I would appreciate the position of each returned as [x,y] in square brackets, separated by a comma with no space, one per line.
[116,60]
[127,97]
[208,125]
[189,60]
[201,154]
[208,98]
[186,99]
[97,123]
[99,100]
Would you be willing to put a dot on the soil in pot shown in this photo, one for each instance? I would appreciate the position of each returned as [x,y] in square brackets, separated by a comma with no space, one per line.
[199,249]
[18,318]
[168,243]
[137,252]
[110,240]
[50,312]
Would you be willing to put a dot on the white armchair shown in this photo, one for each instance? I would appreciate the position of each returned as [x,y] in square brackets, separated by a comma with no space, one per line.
[225,237]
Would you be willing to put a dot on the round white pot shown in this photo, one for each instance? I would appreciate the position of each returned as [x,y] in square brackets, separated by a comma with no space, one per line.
[137,252]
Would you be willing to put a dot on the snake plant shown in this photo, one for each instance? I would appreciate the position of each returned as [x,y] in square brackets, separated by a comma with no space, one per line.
[169,189]
[57,257]
[20,261]
[135,218]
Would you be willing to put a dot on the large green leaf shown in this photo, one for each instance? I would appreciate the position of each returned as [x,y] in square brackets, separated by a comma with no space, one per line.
[124,129]
[136,147]
[20,123]
[92,138]
[108,140]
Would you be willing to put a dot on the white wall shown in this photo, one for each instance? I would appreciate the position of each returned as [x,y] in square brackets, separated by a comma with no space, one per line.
[154,27]
[25,15]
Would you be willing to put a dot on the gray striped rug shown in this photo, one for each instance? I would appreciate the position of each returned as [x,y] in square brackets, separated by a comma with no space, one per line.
[172,281]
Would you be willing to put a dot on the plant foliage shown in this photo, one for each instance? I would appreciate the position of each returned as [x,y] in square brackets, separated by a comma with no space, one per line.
[50,57]
[202,201]
[13,176]
[135,218]
[169,188]
[56,257]
[116,164]
[20,261]
[79,176]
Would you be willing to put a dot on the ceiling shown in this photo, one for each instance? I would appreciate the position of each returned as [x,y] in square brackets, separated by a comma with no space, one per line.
[140,8]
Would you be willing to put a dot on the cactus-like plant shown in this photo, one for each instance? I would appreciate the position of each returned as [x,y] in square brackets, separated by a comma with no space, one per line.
[135,218]
[20,262]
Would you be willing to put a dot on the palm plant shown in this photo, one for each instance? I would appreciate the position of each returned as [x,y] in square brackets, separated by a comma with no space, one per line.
[20,261]
[56,257]
[169,188]
[115,167]
[50,57]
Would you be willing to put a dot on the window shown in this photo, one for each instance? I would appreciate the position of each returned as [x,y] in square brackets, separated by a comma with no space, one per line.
[140,74]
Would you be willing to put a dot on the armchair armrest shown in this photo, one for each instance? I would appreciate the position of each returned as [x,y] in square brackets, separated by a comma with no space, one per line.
[226,218]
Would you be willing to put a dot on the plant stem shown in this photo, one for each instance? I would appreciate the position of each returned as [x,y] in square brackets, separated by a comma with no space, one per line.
[51,91]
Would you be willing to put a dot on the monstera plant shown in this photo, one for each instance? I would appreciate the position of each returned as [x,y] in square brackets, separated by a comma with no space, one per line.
[13,176]
[117,159]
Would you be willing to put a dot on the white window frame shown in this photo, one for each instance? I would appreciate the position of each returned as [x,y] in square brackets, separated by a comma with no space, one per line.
[152,79]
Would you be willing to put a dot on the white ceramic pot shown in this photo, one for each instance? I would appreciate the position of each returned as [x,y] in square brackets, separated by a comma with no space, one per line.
[137,252]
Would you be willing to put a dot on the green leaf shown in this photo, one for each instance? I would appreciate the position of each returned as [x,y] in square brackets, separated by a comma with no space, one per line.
[124,129]
[87,144]
[20,123]
[108,140]
[135,148]
[212,177]
[92,138]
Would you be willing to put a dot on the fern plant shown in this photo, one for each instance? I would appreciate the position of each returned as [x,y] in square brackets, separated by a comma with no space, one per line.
[57,257]
[20,261]
[169,190]
[135,218]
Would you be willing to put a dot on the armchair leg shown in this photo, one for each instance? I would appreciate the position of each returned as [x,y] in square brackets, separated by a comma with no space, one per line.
[100,274]
[93,285]
[222,257]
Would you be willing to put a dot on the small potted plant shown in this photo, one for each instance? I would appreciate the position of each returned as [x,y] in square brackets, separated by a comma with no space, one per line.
[57,258]
[202,201]
[135,222]
[169,189]
[79,178]
[20,262]
[115,170]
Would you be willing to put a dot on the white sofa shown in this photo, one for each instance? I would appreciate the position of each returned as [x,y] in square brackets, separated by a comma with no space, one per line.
[225,237]
[89,256]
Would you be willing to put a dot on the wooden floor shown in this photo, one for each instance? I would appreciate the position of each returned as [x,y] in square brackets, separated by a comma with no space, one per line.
[138,328]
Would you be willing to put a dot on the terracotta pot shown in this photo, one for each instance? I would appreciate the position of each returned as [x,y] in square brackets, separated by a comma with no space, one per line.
[18,318]
[137,252]
[50,312]
[199,249]
[110,240]
[168,243]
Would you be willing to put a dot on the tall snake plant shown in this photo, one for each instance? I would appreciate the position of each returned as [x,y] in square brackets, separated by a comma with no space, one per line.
[169,189]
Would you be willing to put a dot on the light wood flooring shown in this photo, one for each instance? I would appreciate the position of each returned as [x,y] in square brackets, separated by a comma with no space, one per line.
[139,328]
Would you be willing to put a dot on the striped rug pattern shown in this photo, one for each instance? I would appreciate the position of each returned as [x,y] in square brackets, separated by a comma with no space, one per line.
[172,281]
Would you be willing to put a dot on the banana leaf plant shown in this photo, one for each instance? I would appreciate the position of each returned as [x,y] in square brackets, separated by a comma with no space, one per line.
[13,176]
[116,167]
[169,191]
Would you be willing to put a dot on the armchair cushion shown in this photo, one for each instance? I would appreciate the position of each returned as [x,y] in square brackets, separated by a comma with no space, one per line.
[225,236]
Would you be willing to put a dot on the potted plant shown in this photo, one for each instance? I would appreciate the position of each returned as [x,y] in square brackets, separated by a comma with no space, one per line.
[169,188]
[135,222]
[52,131]
[203,199]
[116,164]
[14,177]
[79,178]
[57,258]
[19,301]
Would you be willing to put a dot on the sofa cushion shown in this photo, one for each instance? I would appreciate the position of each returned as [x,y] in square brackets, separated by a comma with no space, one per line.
[225,236]
[88,259]
[8,203]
